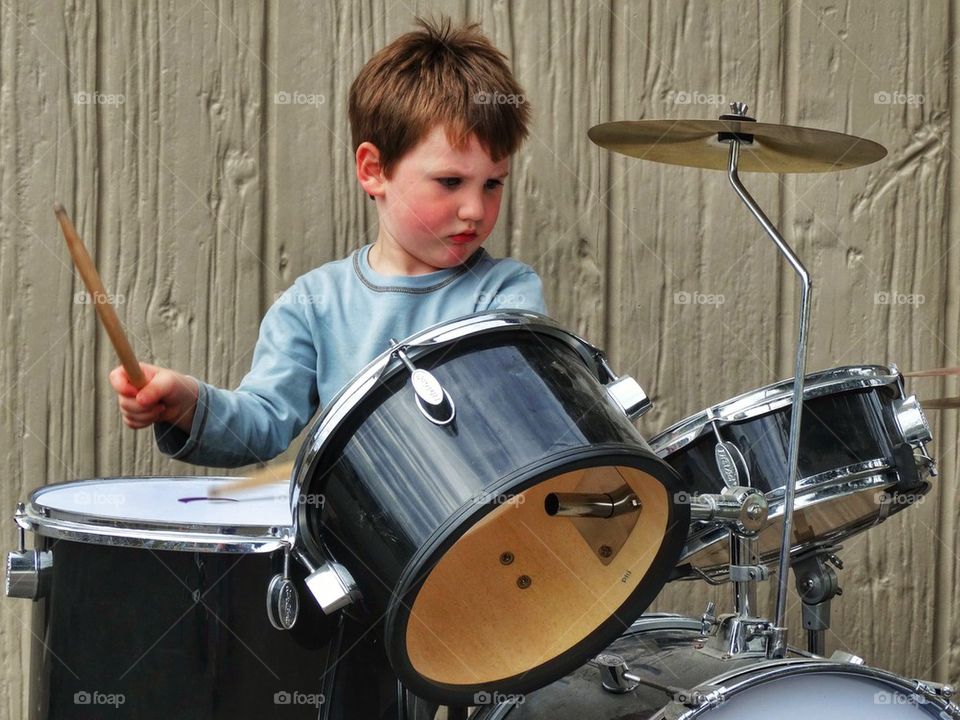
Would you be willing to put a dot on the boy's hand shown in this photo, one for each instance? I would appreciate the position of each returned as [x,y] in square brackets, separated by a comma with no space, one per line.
[168,396]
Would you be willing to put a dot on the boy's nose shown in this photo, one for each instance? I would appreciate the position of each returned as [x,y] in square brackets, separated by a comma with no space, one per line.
[471,208]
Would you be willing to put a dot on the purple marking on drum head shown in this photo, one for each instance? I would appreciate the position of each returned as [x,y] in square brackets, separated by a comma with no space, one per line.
[208,499]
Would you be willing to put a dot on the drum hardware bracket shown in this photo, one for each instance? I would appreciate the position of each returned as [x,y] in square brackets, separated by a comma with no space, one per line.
[283,601]
[626,392]
[817,584]
[928,690]
[433,401]
[737,635]
[846,657]
[709,618]
[330,583]
[615,677]
[730,461]
[28,571]
[742,509]
[749,573]
[592,505]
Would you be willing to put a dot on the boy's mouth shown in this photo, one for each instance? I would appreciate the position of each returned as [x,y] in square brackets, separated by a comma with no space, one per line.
[463,238]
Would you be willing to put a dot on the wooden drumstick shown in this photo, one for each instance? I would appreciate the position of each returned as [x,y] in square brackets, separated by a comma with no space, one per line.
[100,299]
[263,476]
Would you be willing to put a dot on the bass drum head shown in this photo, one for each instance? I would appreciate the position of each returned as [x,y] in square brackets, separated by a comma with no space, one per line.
[512,595]
[669,651]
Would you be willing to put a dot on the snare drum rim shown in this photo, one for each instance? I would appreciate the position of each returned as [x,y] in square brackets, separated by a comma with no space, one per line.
[386,365]
[762,401]
[146,534]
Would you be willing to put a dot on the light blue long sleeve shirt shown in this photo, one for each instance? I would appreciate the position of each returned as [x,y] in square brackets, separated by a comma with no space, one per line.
[322,331]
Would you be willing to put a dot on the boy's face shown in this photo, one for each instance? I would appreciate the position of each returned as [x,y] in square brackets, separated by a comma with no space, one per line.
[438,206]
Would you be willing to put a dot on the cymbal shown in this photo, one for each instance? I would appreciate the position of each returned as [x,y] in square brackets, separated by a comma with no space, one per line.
[775,148]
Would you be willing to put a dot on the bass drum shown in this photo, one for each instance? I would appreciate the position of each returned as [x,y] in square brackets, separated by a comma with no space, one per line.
[670,652]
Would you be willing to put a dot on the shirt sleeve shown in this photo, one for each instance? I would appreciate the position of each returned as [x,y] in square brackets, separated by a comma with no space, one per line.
[522,291]
[272,404]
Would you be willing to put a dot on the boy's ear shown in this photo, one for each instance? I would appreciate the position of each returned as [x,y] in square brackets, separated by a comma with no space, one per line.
[369,170]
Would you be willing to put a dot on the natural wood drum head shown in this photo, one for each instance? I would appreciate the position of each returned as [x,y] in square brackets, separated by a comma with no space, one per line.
[476,620]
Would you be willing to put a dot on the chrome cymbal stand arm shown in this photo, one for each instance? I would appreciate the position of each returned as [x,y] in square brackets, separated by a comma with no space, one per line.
[778,647]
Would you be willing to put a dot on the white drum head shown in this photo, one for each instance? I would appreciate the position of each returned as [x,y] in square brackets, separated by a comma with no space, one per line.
[164,513]
[823,695]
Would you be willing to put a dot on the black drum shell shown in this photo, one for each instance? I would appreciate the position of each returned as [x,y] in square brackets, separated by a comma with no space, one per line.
[397,487]
[178,634]
[836,431]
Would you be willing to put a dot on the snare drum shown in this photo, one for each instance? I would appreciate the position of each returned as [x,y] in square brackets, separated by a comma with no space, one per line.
[150,603]
[695,682]
[862,457]
[488,496]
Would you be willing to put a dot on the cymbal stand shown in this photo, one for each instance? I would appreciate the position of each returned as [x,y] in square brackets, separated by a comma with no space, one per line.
[778,647]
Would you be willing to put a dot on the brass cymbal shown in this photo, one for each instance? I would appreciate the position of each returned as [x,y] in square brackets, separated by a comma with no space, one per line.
[775,148]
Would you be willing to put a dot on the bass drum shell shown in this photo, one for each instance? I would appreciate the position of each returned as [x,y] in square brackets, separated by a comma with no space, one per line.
[444,528]
[667,650]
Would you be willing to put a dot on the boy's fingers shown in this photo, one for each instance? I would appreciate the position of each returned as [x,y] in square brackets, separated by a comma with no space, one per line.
[154,390]
[121,383]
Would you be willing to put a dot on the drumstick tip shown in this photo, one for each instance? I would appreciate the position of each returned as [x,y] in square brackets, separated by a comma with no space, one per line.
[57,207]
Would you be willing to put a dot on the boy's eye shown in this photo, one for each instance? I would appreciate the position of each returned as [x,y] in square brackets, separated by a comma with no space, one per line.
[449,182]
[493,184]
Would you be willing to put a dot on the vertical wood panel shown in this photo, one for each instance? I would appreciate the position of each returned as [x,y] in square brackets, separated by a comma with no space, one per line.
[202,194]
[869,232]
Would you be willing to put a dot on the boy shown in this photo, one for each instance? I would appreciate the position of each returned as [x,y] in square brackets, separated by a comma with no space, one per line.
[435,117]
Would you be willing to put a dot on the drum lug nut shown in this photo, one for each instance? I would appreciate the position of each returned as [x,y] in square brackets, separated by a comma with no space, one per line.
[605,551]
[627,394]
[331,584]
[506,558]
[28,571]
[524,581]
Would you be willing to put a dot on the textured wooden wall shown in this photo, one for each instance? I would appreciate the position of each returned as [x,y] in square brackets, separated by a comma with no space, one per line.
[159,127]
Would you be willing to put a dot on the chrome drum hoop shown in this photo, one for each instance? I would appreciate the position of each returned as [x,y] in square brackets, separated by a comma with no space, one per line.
[728,685]
[809,496]
[133,532]
[773,397]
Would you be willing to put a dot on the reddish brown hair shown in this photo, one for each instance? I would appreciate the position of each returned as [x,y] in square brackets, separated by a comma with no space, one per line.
[438,74]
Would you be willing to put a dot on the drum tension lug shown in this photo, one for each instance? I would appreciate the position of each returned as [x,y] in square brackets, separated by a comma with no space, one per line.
[28,571]
[708,621]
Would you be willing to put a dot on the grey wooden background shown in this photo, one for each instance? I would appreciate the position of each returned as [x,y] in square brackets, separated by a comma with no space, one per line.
[161,127]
